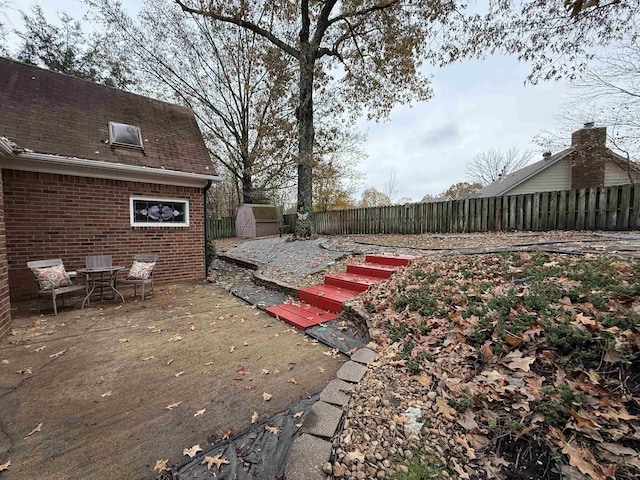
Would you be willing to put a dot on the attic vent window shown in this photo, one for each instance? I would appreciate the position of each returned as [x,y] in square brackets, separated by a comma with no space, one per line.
[125,135]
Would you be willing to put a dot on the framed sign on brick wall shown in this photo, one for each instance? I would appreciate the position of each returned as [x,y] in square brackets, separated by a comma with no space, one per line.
[159,212]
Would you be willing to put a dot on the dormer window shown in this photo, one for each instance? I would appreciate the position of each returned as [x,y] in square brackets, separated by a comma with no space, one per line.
[125,135]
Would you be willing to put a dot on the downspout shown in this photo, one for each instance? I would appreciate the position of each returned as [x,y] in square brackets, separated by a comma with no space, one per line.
[206,235]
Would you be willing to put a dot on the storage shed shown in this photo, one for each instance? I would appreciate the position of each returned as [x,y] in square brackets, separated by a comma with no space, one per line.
[255,220]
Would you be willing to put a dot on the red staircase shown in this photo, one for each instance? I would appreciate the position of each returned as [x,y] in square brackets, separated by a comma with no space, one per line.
[322,303]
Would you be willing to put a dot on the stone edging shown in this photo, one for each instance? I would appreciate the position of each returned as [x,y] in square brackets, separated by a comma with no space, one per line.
[309,458]
[260,279]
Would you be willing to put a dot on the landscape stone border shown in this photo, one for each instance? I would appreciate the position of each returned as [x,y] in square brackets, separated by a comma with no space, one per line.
[310,454]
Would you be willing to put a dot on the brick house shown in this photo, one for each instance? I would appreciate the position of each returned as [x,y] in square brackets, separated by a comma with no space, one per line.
[587,163]
[87,169]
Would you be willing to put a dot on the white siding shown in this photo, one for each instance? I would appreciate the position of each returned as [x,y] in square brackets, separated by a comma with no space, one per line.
[614,175]
[556,177]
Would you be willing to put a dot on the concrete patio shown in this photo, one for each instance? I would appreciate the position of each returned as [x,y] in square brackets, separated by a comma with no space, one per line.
[105,392]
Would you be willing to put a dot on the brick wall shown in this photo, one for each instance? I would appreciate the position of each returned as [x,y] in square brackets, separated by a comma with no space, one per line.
[588,167]
[5,304]
[69,217]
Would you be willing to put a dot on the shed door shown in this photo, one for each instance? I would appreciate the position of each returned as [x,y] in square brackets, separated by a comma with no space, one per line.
[245,224]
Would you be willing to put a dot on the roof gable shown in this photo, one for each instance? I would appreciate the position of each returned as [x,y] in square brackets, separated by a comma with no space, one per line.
[58,114]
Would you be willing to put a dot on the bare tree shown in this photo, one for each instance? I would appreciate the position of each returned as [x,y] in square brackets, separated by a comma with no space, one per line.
[391,186]
[486,167]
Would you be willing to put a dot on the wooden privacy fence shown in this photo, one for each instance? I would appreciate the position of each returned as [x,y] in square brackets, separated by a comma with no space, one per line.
[607,208]
[221,227]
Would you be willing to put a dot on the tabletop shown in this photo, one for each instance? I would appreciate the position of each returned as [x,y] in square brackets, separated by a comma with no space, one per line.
[114,268]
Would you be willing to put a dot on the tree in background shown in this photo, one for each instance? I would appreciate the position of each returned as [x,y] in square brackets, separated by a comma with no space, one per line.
[380,44]
[65,48]
[460,190]
[391,186]
[374,198]
[486,167]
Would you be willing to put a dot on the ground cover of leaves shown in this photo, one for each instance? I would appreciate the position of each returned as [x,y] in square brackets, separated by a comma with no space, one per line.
[522,365]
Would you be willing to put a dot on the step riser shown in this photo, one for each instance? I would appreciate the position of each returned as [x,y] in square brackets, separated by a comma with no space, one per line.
[369,271]
[346,284]
[393,260]
[299,318]
[320,301]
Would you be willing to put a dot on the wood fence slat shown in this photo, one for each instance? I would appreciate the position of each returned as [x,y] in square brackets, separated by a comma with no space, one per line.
[582,200]
[602,208]
[612,207]
[635,214]
[590,222]
[552,222]
[571,210]
[625,207]
[535,212]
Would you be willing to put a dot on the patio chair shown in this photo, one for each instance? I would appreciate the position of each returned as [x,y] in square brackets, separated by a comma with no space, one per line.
[52,280]
[141,273]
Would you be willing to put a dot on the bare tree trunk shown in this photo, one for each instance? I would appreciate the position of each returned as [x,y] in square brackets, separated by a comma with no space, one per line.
[304,226]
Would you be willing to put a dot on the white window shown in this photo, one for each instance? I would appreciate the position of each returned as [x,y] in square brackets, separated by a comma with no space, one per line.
[159,212]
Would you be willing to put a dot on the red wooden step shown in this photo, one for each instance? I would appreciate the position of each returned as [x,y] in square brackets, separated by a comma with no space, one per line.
[326,296]
[391,259]
[372,270]
[300,315]
[351,281]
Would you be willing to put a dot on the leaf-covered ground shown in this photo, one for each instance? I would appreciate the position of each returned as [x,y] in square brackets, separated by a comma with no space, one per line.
[523,365]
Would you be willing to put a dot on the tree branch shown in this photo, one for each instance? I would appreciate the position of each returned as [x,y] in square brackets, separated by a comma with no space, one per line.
[244,24]
[364,11]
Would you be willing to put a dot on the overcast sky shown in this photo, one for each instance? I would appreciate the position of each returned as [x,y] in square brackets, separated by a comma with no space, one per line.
[477,105]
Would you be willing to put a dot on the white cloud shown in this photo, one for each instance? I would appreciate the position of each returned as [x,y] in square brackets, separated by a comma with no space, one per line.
[477,105]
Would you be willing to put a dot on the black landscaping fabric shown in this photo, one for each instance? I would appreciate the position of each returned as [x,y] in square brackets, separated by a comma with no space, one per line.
[337,334]
[255,454]
[259,296]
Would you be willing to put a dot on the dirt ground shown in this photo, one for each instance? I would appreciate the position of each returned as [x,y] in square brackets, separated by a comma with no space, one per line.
[105,392]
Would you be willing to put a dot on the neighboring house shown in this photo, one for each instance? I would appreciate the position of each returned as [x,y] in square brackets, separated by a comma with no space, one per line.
[88,169]
[587,163]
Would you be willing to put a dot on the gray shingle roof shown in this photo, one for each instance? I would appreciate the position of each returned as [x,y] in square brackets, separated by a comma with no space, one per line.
[503,185]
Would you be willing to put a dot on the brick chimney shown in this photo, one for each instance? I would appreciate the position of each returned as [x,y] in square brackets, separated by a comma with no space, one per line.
[588,161]
[590,135]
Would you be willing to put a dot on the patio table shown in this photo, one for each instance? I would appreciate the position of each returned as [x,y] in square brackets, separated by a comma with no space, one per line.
[101,277]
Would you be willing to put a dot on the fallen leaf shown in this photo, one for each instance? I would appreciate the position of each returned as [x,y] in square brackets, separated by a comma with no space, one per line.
[123,340]
[171,406]
[174,338]
[226,434]
[321,369]
[276,371]
[40,349]
[5,361]
[424,380]
[468,420]
[208,363]
[270,429]
[519,363]
[25,371]
[217,460]
[161,465]
[290,365]
[169,362]
[583,460]
[246,344]
[192,452]
[38,428]
[56,355]
[266,396]
[355,456]
[242,371]
[294,381]
[264,371]
[177,374]
[200,412]
[254,417]
[232,349]
[106,394]
[298,415]
[148,358]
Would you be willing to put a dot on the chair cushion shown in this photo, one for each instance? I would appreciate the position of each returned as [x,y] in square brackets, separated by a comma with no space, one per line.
[57,275]
[141,270]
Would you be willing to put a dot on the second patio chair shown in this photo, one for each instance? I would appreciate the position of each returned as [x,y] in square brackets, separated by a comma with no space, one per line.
[141,273]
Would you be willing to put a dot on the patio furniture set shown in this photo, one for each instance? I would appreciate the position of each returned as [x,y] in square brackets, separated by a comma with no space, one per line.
[100,278]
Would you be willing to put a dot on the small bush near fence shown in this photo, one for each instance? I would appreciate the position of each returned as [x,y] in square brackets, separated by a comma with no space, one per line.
[607,208]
